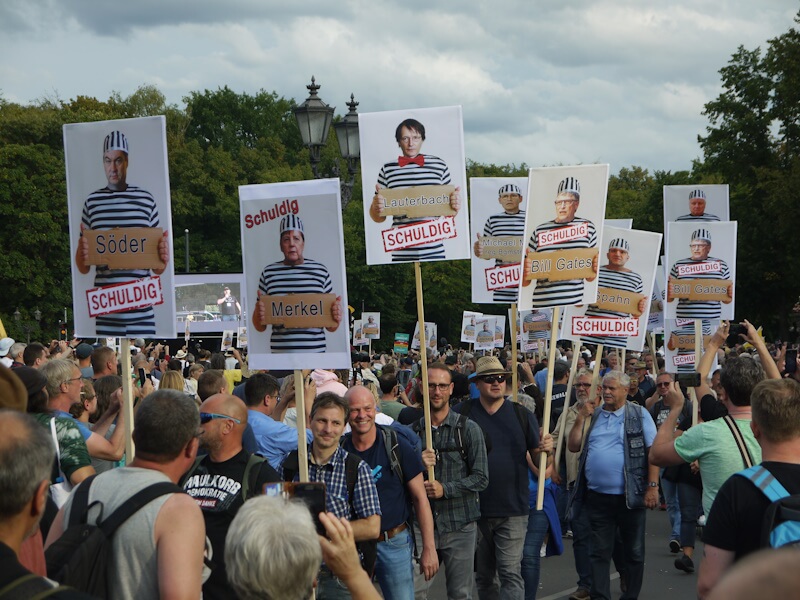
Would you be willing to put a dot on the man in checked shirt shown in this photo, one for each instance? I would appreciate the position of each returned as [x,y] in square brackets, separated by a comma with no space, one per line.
[461,470]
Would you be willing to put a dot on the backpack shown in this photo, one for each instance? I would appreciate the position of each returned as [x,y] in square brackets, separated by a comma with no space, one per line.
[82,556]
[458,434]
[250,474]
[30,587]
[522,417]
[781,523]
[367,548]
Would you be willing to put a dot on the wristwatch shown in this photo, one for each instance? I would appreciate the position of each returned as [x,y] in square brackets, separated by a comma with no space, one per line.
[653,484]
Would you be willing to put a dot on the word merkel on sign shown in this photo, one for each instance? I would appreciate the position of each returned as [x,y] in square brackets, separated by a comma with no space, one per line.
[295,311]
[427,232]
[123,297]
[125,247]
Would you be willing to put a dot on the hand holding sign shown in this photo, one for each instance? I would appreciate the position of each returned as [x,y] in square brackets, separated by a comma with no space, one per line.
[376,209]
[336,313]
[477,247]
[163,252]
[82,255]
[260,314]
[455,199]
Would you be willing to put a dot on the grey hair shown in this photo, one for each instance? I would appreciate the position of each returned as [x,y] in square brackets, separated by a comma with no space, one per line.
[272,550]
[57,371]
[26,459]
[17,348]
[619,376]
[583,373]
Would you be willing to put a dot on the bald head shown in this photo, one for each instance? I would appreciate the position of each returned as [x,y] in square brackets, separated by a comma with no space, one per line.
[221,435]
[226,404]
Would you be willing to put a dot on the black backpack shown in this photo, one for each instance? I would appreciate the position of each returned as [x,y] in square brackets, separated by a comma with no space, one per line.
[458,434]
[30,587]
[82,557]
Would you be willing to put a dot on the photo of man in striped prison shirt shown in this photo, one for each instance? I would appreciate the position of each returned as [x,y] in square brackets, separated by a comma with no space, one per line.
[295,274]
[569,292]
[697,208]
[119,204]
[616,276]
[411,169]
[699,266]
[510,222]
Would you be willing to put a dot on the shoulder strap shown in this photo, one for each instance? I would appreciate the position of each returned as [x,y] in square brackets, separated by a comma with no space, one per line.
[291,465]
[29,586]
[391,444]
[351,477]
[248,479]
[461,427]
[766,482]
[80,502]
[737,436]
[138,501]
[191,470]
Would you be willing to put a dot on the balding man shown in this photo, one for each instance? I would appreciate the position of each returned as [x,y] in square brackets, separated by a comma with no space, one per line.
[223,479]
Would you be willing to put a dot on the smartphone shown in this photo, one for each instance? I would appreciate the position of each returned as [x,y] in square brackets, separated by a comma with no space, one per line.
[791,361]
[403,377]
[688,380]
[312,494]
[142,377]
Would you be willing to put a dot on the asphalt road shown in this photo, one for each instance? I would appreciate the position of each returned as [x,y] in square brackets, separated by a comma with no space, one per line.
[662,581]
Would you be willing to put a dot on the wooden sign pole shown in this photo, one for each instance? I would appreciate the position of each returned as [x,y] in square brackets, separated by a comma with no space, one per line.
[621,364]
[426,399]
[596,371]
[548,399]
[514,371]
[127,394]
[563,423]
[698,352]
[300,407]
[652,339]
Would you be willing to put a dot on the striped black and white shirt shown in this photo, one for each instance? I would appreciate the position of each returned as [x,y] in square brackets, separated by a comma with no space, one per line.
[699,309]
[627,281]
[106,209]
[688,329]
[504,224]
[537,317]
[703,217]
[434,171]
[309,277]
[561,293]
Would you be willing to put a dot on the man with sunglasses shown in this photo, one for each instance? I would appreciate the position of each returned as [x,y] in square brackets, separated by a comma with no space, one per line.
[513,432]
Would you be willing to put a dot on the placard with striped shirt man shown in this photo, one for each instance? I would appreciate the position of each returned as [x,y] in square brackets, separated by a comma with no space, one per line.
[411,169]
[617,276]
[706,267]
[510,222]
[295,274]
[119,204]
[568,292]
[697,208]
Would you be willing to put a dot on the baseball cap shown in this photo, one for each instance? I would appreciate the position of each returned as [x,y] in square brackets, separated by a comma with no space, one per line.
[83,350]
[5,345]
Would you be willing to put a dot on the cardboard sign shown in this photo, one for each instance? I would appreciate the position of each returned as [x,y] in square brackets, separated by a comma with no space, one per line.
[700,289]
[685,341]
[125,247]
[418,201]
[604,326]
[618,300]
[296,311]
[371,329]
[122,297]
[426,232]
[506,248]
[560,265]
[536,326]
[504,276]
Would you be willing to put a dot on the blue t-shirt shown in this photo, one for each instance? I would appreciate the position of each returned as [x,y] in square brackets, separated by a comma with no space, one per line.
[85,431]
[395,499]
[507,493]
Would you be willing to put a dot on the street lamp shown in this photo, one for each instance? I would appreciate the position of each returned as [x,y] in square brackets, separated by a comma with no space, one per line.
[28,326]
[314,119]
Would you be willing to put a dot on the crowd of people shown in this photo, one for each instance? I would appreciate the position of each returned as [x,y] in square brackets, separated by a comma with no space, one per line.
[211,436]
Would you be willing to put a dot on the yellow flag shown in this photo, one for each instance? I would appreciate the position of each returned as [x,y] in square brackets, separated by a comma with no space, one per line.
[748,345]
[2,330]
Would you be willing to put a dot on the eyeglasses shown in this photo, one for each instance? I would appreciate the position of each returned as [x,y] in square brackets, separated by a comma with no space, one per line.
[494,379]
[206,417]
[442,387]
[583,385]
[564,202]
[73,379]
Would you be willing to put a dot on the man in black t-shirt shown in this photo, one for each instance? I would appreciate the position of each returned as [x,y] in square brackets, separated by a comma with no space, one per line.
[229,307]
[734,524]
[218,482]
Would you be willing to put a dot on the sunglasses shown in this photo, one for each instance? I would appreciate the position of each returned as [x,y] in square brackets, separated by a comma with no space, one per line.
[206,417]
[494,379]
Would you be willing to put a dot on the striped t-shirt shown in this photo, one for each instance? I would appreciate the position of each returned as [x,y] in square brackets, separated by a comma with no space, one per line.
[699,309]
[688,329]
[703,217]
[434,171]
[105,209]
[504,224]
[309,277]
[561,293]
[627,281]
[537,317]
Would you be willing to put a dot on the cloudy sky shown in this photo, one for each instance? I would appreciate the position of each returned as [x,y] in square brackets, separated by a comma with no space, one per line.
[540,81]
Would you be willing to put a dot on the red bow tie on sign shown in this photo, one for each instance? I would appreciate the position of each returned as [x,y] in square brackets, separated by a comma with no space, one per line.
[405,160]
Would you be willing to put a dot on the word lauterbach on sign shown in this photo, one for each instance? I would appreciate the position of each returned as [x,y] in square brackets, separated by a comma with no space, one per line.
[624,327]
[504,276]
[507,247]
[294,311]
[561,265]
[419,201]
[686,342]
[125,296]
[125,247]
[701,289]
[618,300]
[408,236]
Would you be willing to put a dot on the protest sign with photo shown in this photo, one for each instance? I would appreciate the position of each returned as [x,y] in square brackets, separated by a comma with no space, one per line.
[430,336]
[679,343]
[468,326]
[484,338]
[371,322]
[705,203]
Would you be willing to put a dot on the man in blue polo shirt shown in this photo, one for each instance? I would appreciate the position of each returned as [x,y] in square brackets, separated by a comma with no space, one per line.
[513,432]
[615,481]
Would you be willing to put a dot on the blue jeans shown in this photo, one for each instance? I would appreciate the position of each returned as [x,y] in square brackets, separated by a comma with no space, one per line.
[581,543]
[670,489]
[537,530]
[330,587]
[229,317]
[456,550]
[500,552]
[394,569]
[690,498]
[607,513]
